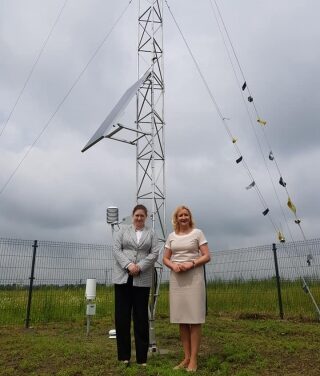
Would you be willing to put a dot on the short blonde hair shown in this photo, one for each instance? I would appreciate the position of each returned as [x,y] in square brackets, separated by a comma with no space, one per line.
[175,222]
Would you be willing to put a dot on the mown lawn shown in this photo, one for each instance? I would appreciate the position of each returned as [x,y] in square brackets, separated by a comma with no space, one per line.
[231,346]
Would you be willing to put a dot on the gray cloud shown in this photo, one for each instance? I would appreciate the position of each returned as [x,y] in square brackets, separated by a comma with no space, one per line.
[61,194]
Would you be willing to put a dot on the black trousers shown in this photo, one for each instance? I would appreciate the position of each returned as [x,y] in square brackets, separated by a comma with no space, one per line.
[131,301]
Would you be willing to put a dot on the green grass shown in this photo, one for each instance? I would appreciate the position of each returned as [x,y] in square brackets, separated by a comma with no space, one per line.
[260,298]
[230,347]
[236,298]
[242,336]
[52,304]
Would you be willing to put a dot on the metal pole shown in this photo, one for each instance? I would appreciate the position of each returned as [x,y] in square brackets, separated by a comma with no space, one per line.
[27,320]
[274,249]
[152,336]
[150,150]
[88,324]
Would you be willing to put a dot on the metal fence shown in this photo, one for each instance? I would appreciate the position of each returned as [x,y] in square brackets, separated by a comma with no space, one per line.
[239,281]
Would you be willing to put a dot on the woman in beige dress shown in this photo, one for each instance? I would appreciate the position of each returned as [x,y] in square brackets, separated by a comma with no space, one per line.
[186,251]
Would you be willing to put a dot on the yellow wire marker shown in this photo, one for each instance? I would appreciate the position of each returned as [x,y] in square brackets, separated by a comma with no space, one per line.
[281,237]
[262,122]
[291,206]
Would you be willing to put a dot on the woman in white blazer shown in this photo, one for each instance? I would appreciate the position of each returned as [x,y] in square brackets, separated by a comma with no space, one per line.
[135,251]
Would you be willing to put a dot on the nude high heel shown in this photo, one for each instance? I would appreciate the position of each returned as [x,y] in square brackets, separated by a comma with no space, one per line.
[182,365]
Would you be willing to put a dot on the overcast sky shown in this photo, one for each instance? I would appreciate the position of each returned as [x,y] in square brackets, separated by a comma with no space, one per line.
[59,193]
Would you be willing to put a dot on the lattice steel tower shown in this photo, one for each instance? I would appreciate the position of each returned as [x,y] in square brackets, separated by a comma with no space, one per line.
[150,149]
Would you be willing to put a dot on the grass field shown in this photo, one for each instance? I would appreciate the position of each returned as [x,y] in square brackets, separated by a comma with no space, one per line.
[230,347]
[246,298]
[243,335]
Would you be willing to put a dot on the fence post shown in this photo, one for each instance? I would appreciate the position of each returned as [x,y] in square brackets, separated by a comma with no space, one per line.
[27,320]
[278,279]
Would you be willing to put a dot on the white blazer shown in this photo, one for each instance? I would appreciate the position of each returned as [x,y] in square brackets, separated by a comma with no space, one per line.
[126,250]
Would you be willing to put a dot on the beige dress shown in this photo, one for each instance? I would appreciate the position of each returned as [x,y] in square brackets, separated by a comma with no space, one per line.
[187,289]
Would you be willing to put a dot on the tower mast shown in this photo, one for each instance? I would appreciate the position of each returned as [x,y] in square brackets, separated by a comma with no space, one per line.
[150,150]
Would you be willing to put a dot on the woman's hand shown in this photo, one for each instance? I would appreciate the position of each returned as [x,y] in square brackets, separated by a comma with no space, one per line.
[134,269]
[176,267]
[185,266]
[182,266]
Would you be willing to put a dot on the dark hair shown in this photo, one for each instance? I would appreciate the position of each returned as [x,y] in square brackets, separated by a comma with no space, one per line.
[140,207]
